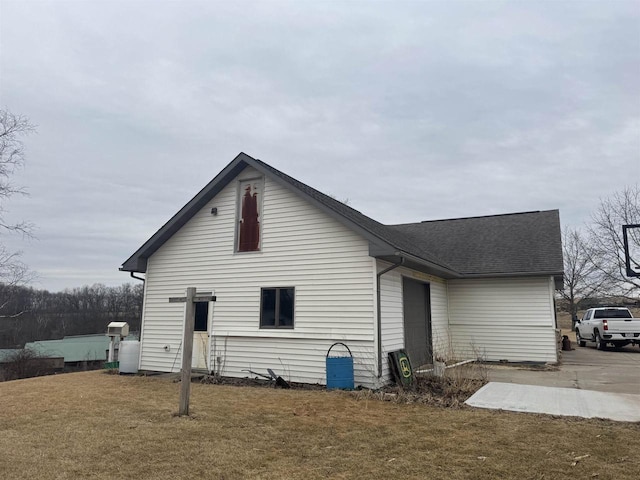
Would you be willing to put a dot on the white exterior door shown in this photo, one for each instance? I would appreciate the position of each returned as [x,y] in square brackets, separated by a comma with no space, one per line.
[200,358]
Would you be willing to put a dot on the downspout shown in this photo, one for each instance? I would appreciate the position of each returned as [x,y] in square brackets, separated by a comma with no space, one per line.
[144,286]
[137,278]
[379,325]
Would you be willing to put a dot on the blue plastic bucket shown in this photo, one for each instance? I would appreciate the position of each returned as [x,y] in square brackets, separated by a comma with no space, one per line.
[339,370]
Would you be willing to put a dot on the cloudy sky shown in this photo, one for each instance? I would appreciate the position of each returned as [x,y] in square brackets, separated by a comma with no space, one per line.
[410,110]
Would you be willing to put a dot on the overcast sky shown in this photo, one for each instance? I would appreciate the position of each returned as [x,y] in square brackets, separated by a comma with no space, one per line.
[410,110]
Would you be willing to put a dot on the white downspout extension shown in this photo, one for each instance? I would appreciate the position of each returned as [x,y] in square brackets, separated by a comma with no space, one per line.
[144,307]
[464,362]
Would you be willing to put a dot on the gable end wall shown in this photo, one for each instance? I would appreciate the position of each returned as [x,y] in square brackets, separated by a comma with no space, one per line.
[328,264]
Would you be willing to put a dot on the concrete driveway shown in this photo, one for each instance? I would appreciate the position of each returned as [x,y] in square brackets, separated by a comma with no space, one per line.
[587,383]
[614,371]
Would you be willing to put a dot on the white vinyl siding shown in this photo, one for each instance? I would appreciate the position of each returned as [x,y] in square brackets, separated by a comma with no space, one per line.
[301,247]
[392,325]
[393,315]
[295,359]
[503,319]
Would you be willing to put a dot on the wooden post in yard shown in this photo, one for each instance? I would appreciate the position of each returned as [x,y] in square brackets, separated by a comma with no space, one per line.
[187,344]
[187,352]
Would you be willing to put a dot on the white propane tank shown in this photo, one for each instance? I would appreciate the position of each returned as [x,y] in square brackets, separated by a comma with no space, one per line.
[128,355]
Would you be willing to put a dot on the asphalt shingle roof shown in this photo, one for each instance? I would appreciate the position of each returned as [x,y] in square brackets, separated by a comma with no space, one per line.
[515,243]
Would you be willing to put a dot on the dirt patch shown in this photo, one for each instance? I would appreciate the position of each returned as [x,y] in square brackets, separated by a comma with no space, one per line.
[428,390]
[255,382]
[450,390]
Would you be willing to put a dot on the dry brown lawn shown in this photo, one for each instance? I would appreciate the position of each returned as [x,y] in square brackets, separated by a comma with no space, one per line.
[93,425]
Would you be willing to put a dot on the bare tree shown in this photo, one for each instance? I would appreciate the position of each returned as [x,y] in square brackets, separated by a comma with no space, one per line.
[12,270]
[582,279]
[607,252]
[12,127]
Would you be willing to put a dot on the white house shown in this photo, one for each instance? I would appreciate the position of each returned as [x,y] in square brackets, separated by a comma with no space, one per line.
[294,271]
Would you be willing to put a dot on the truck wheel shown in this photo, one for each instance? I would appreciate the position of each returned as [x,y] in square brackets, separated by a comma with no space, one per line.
[600,344]
[579,339]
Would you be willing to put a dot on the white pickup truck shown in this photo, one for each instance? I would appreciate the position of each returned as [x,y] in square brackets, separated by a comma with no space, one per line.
[604,325]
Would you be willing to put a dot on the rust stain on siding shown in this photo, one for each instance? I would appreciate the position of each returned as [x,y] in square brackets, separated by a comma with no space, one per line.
[249,224]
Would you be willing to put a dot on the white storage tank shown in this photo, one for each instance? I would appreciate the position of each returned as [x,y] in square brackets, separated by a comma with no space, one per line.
[128,356]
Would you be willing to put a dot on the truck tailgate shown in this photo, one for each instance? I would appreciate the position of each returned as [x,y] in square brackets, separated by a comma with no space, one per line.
[627,325]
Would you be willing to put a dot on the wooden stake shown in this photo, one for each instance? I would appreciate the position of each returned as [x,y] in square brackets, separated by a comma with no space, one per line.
[187,352]
[187,343]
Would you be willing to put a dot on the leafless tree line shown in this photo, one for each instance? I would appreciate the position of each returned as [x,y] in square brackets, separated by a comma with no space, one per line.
[594,260]
[28,314]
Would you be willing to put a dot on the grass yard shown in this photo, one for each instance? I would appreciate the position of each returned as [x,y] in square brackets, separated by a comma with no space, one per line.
[93,425]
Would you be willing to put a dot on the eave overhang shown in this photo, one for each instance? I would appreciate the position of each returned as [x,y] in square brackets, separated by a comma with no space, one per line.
[415,263]
[138,261]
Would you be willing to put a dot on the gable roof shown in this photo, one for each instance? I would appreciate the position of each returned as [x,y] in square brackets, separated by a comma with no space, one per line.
[422,246]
